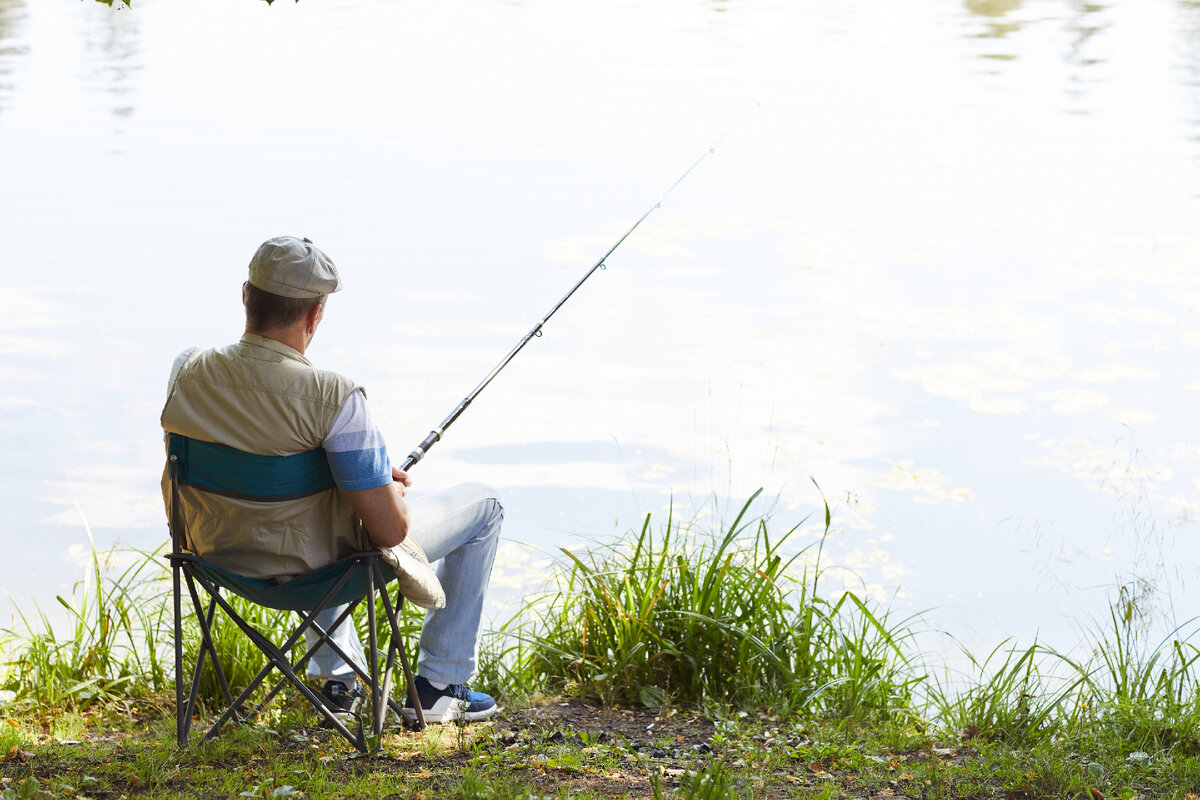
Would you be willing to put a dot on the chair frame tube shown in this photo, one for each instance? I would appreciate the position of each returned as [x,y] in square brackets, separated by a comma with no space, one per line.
[190,570]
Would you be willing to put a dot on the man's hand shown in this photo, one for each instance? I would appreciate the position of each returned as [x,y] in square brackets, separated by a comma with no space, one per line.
[401,478]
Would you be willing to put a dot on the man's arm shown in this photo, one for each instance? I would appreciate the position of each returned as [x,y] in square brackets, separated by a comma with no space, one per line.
[360,465]
[383,512]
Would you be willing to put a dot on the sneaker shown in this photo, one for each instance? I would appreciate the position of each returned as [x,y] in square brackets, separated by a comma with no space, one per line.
[340,700]
[455,702]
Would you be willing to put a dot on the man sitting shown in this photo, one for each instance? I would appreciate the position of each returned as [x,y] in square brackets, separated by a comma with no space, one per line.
[261,395]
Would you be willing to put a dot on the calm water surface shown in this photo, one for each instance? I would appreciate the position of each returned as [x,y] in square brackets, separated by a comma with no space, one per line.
[946,265]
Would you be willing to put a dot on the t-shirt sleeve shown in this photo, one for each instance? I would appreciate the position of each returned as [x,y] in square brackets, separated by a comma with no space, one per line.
[180,360]
[357,454]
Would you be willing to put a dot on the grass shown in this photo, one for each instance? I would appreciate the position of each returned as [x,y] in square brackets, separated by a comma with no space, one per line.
[757,756]
[716,665]
[732,617]
[1007,699]
[118,633]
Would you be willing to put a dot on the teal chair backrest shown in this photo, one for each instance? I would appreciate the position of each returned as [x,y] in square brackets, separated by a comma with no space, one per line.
[224,470]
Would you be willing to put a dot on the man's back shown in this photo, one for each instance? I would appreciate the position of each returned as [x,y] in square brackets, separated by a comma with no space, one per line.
[261,396]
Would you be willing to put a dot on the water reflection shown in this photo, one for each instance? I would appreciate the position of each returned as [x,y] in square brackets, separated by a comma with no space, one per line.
[113,46]
[1189,31]
[12,15]
[939,278]
[1078,24]
[1085,24]
[995,11]
[1000,19]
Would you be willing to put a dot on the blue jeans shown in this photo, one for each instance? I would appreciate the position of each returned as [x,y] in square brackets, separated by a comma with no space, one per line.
[460,528]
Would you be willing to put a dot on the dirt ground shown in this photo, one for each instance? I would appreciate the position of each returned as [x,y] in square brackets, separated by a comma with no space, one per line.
[549,747]
[555,749]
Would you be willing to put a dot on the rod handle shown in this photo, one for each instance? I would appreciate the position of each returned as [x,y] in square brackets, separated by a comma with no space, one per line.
[419,453]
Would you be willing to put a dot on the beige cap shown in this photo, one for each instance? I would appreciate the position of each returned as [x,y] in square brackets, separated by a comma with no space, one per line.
[293,267]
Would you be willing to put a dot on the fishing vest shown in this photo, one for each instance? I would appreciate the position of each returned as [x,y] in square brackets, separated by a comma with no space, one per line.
[261,397]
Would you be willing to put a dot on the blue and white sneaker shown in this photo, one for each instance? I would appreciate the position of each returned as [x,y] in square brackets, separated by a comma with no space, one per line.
[455,702]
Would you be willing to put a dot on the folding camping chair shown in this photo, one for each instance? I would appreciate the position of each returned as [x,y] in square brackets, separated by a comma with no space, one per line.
[216,469]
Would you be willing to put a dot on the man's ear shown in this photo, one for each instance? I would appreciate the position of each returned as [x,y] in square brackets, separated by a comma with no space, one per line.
[314,317]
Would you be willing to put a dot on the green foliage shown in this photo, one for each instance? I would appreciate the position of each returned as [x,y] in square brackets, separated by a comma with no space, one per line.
[735,618]
[28,789]
[1007,699]
[1145,696]
[506,657]
[115,642]
[715,783]
[1119,716]
[725,617]
[12,737]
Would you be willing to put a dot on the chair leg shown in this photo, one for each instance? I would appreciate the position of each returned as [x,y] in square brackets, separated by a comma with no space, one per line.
[277,659]
[183,717]
[377,691]
[281,657]
[393,613]
[408,675]
[185,707]
[205,620]
[198,667]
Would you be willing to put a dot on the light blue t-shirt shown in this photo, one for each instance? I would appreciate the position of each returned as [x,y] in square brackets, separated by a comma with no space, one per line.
[357,454]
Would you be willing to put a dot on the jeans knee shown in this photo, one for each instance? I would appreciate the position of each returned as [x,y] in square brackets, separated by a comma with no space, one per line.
[487,494]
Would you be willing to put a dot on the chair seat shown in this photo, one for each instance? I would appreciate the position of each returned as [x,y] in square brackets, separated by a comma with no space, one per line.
[300,593]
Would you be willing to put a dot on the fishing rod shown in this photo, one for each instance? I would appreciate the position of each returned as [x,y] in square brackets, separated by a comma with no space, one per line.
[435,435]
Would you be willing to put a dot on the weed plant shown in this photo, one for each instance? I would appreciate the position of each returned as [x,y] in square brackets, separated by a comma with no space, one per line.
[727,617]
[118,632]
[1144,697]
[1007,698]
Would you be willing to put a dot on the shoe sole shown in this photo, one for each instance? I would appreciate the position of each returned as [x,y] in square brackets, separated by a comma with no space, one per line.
[453,713]
[343,715]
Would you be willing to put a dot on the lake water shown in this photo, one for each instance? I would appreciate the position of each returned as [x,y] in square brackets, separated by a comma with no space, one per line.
[945,264]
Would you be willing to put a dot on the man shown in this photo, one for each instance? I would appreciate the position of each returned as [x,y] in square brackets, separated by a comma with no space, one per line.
[261,395]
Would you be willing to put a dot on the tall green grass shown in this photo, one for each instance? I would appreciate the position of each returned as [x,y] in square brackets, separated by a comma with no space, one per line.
[118,631]
[1007,697]
[1144,696]
[1119,694]
[732,616]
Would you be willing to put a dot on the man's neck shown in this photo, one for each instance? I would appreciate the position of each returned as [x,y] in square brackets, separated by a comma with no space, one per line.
[294,337]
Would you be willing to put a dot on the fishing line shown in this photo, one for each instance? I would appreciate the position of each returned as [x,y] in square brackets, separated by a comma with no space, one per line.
[435,435]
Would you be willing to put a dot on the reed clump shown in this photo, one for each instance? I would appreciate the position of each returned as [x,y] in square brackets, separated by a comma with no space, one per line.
[732,617]
[116,642]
